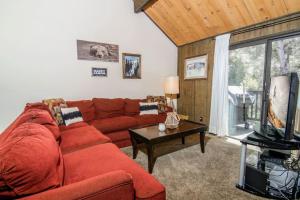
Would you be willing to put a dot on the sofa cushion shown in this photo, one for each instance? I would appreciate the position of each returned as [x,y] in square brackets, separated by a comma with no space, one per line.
[132,107]
[107,158]
[42,117]
[78,138]
[86,107]
[106,108]
[39,169]
[114,124]
[150,119]
[146,119]
[161,117]
[118,136]
[123,143]
[38,105]
[71,126]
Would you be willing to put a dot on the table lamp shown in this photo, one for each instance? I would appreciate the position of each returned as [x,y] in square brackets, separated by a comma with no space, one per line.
[172,89]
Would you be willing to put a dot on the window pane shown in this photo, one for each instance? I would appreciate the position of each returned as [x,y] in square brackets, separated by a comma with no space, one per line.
[285,59]
[285,56]
[245,86]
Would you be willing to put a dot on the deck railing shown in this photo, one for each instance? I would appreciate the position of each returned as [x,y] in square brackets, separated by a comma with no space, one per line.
[254,110]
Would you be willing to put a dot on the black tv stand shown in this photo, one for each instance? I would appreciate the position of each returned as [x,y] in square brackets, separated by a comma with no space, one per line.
[269,136]
[266,139]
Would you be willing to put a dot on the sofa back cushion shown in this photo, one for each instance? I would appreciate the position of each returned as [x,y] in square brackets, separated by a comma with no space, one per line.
[41,117]
[33,115]
[106,108]
[30,162]
[132,107]
[86,107]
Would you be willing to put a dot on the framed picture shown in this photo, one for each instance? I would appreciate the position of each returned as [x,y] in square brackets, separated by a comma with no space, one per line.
[102,72]
[131,66]
[195,67]
[97,51]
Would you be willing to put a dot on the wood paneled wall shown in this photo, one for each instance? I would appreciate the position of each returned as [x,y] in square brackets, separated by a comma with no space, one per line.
[195,95]
[194,99]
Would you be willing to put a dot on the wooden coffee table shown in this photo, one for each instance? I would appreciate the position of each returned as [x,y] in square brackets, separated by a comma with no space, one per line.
[151,136]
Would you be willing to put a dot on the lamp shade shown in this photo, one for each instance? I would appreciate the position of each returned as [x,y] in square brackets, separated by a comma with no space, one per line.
[172,85]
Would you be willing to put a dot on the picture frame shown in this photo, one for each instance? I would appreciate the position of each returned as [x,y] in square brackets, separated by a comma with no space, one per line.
[196,67]
[99,72]
[97,51]
[131,64]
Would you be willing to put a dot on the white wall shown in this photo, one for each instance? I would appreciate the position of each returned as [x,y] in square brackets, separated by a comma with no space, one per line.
[38,55]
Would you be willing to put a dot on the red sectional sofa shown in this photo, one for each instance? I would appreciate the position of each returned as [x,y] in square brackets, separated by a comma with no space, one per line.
[113,117]
[41,160]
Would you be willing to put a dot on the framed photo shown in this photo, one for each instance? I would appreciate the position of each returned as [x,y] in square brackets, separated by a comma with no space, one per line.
[131,66]
[97,51]
[96,72]
[195,67]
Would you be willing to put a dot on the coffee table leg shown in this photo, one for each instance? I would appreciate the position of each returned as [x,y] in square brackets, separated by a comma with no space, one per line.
[202,141]
[183,140]
[151,159]
[134,146]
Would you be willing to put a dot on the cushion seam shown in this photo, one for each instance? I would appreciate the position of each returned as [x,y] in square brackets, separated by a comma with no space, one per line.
[105,190]
[151,196]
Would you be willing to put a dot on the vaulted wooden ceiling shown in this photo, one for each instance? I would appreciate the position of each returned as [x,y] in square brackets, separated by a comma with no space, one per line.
[186,21]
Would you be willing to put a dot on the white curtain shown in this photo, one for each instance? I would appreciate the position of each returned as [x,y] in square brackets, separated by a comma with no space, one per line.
[218,123]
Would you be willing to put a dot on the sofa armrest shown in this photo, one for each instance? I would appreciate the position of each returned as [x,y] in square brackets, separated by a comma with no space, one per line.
[116,185]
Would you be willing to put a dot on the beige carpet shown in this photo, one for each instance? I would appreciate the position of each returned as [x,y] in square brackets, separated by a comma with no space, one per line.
[190,175]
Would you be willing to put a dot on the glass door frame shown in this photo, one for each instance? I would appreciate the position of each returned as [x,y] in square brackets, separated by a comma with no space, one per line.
[267,40]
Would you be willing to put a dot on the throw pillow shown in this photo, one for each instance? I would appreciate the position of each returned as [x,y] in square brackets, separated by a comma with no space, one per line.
[55,106]
[149,108]
[71,115]
[86,107]
[161,100]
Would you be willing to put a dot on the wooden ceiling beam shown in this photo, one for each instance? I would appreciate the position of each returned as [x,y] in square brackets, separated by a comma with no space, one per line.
[139,5]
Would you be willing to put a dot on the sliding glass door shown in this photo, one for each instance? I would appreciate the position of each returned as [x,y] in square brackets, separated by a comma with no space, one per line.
[245,88]
[251,66]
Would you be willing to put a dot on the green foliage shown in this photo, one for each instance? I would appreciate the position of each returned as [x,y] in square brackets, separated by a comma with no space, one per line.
[246,66]
[289,61]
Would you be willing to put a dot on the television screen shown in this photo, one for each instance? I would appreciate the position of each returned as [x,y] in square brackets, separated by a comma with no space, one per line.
[279,101]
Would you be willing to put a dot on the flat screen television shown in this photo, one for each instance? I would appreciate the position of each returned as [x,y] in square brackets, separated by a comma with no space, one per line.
[282,104]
